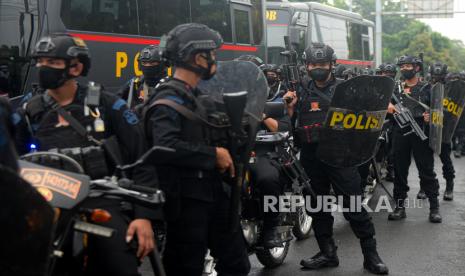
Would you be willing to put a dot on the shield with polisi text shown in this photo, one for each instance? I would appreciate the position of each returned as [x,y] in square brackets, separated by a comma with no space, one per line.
[436,117]
[354,121]
[453,104]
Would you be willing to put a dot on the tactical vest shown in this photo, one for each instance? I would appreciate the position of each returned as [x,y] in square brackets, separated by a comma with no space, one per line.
[51,132]
[192,130]
[312,110]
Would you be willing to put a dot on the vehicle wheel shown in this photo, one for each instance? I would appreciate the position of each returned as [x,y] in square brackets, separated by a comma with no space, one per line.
[302,224]
[273,257]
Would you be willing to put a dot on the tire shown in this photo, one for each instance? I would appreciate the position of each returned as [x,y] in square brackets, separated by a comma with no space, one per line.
[272,258]
[302,224]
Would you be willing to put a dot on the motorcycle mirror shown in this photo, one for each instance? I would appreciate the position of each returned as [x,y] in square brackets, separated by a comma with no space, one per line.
[274,109]
[235,105]
[156,155]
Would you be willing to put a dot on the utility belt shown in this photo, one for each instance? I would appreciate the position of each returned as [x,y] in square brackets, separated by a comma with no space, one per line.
[309,134]
[92,159]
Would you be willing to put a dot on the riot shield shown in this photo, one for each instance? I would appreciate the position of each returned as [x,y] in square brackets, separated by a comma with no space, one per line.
[436,118]
[355,120]
[26,221]
[453,104]
[237,76]
[239,90]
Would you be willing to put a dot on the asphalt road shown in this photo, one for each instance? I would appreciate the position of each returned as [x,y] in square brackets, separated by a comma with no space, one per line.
[413,246]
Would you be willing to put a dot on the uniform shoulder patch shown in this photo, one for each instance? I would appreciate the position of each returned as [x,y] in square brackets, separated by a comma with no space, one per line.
[119,104]
[130,117]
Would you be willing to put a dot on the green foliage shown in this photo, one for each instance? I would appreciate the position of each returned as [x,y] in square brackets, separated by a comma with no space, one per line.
[403,35]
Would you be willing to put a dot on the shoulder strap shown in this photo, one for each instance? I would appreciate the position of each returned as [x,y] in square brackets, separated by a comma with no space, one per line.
[184,111]
[75,124]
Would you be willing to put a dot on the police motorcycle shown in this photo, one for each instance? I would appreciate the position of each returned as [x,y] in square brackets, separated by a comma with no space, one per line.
[297,185]
[235,99]
[66,190]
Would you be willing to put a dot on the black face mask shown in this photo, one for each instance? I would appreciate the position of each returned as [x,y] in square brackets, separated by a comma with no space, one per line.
[319,74]
[152,74]
[52,78]
[207,73]
[271,81]
[408,74]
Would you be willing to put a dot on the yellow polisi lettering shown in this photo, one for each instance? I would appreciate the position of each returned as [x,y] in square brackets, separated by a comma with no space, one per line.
[349,121]
[136,65]
[336,118]
[121,62]
[452,107]
[437,118]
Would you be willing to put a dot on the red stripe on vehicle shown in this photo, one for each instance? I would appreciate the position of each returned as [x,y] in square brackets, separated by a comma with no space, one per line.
[354,62]
[145,41]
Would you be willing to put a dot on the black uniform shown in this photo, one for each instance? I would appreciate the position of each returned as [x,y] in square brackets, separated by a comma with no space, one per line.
[7,153]
[138,93]
[459,137]
[111,256]
[197,204]
[312,110]
[266,170]
[404,146]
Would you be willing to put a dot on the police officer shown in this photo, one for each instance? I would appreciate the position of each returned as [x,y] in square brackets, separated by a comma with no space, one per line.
[197,205]
[389,70]
[404,146]
[254,59]
[277,88]
[339,70]
[309,110]
[47,121]
[459,138]
[136,91]
[438,73]
[266,171]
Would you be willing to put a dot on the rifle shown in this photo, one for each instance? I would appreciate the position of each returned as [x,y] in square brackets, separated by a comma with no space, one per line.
[235,106]
[404,118]
[290,68]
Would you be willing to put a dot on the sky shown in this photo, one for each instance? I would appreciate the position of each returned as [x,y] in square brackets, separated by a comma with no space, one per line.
[450,27]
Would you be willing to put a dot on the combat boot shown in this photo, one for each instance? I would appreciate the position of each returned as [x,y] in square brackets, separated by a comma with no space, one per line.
[399,211]
[372,262]
[327,256]
[449,193]
[421,195]
[434,216]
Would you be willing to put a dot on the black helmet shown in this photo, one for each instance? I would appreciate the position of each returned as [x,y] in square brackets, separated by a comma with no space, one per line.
[452,76]
[390,68]
[63,46]
[270,68]
[338,70]
[186,40]
[150,53]
[380,69]
[407,59]
[254,59]
[319,53]
[438,69]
